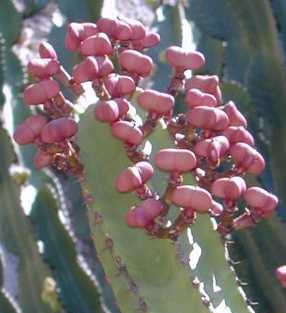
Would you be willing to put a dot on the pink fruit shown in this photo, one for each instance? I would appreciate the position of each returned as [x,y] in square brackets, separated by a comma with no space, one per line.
[150,40]
[260,200]
[41,92]
[30,129]
[58,130]
[247,158]
[137,28]
[236,118]
[135,62]
[213,149]
[208,118]
[86,70]
[175,160]
[96,45]
[105,66]
[192,197]
[42,159]
[119,85]
[127,132]
[182,59]
[237,134]
[47,51]
[145,169]
[109,111]
[195,98]
[228,188]
[281,275]
[107,26]
[43,68]
[134,177]
[122,31]
[144,213]
[206,83]
[154,101]
[216,209]
[78,32]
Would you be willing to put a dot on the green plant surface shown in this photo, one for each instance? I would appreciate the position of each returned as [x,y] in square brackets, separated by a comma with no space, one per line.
[151,264]
[17,237]
[77,291]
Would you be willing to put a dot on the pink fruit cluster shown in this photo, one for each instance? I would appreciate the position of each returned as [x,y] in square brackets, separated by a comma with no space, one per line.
[210,140]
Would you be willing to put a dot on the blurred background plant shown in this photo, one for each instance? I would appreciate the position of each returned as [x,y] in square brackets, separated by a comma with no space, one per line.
[48,259]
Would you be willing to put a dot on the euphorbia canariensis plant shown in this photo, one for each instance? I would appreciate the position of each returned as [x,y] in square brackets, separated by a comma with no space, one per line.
[210,141]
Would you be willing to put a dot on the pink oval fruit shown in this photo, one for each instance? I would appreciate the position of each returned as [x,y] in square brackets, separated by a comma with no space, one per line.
[236,118]
[96,45]
[261,200]
[206,83]
[107,111]
[182,59]
[208,118]
[195,98]
[154,101]
[135,62]
[229,188]
[213,148]
[175,160]
[42,159]
[192,197]
[237,134]
[127,132]
[43,68]
[105,66]
[30,129]
[119,85]
[86,70]
[58,130]
[247,158]
[41,92]
[47,51]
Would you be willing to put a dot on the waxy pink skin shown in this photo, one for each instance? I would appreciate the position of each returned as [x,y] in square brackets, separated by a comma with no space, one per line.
[155,101]
[236,118]
[43,68]
[110,111]
[261,200]
[144,213]
[195,98]
[47,51]
[192,197]
[206,83]
[213,148]
[127,132]
[281,275]
[175,160]
[208,118]
[96,45]
[78,32]
[229,188]
[182,59]
[216,209]
[30,129]
[42,159]
[135,62]
[237,134]
[41,92]
[115,28]
[105,66]
[247,158]
[150,40]
[243,221]
[86,70]
[134,177]
[138,30]
[58,130]
[119,85]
